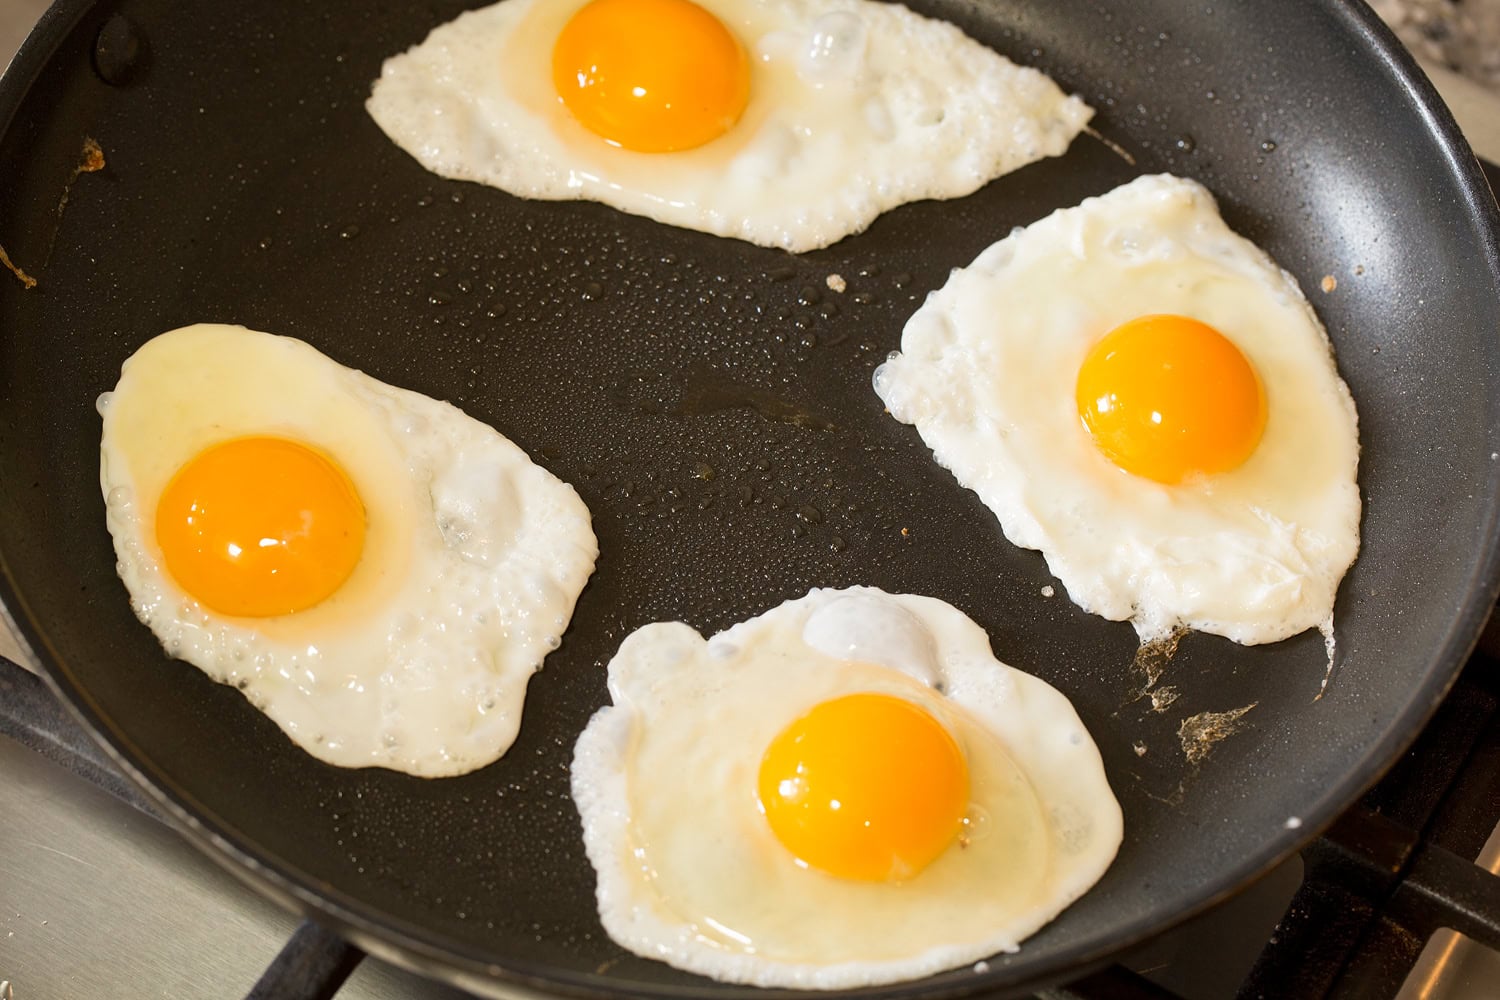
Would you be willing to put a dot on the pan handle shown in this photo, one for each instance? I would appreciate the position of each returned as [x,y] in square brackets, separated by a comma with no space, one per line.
[32,716]
[312,965]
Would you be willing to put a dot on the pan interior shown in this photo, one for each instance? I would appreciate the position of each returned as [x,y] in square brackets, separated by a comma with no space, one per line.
[711,402]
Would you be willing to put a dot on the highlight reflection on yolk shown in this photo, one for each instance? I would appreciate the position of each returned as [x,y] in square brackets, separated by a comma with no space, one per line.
[1167,397]
[260,526]
[652,76]
[867,786]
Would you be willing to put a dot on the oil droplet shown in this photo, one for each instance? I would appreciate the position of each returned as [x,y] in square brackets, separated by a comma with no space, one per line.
[1268,146]
[1186,143]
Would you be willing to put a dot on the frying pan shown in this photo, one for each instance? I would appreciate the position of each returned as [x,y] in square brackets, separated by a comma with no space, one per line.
[710,400]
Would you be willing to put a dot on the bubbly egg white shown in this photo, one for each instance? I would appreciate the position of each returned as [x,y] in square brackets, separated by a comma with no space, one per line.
[987,372]
[855,107]
[473,557]
[689,872]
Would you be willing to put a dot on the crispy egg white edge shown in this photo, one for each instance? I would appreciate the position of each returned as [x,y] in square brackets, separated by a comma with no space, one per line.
[601,791]
[1003,117]
[1000,487]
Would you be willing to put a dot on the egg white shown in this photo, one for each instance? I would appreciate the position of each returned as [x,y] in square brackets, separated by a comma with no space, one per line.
[987,373]
[855,107]
[689,872]
[473,556]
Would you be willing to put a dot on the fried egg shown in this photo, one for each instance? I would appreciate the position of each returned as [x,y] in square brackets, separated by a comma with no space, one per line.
[787,123]
[1147,398]
[377,572]
[846,790]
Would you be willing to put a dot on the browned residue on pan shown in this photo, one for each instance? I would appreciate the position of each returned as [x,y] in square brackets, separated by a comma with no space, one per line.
[90,160]
[1202,732]
[1173,796]
[1328,644]
[1151,662]
[25,279]
[93,157]
[1162,697]
[1114,147]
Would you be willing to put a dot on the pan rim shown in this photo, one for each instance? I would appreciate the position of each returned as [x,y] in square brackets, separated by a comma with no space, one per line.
[427,953]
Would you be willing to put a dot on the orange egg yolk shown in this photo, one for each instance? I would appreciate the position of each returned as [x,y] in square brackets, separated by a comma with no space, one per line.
[1169,398]
[260,526]
[652,76]
[867,786]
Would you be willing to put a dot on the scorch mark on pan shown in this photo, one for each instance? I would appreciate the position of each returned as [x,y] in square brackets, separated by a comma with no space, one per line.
[90,160]
[1328,644]
[1199,733]
[1150,663]
[1114,147]
[1171,798]
[25,279]
[1162,697]
[93,157]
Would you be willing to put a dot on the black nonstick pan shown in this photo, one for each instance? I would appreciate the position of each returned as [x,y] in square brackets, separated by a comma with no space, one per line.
[711,402]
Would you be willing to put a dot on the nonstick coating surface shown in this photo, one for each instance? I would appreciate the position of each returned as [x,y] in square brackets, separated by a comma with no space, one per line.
[710,400]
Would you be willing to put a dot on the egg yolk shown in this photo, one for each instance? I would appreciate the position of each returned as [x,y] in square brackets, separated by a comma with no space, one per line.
[867,786]
[652,76]
[260,526]
[1167,397]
